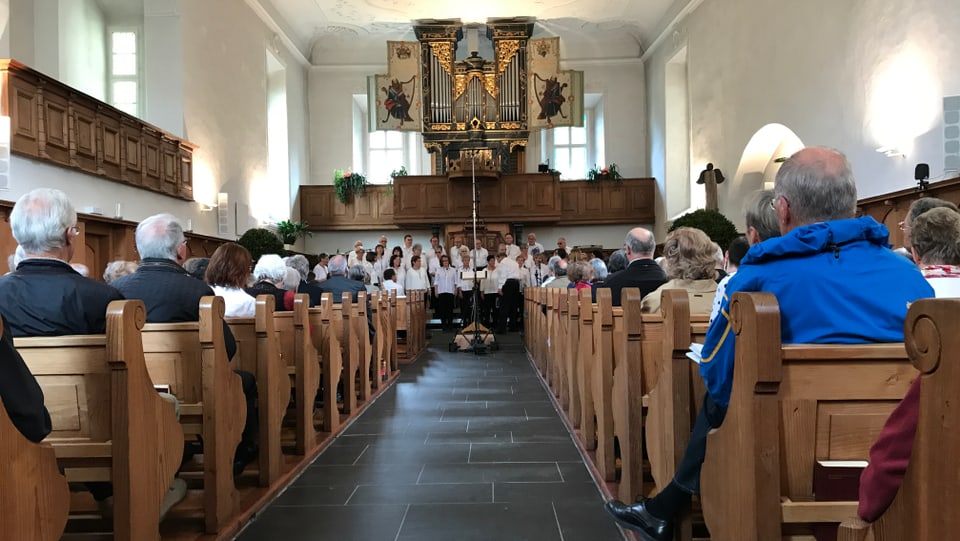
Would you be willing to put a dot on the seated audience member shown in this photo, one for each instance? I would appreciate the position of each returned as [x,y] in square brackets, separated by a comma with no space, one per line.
[20,393]
[935,245]
[690,265]
[599,271]
[45,296]
[171,295]
[641,272]
[15,258]
[718,258]
[81,269]
[197,267]
[557,266]
[227,275]
[300,264]
[731,261]
[320,270]
[579,274]
[561,253]
[269,274]
[825,257]
[618,262]
[118,269]
[917,208]
[390,284]
[416,276]
[338,282]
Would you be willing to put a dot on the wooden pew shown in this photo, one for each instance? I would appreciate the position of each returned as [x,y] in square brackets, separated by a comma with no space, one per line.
[392,320]
[325,331]
[191,358]
[601,379]
[361,333]
[303,366]
[791,406]
[380,343]
[628,391]
[572,346]
[923,509]
[258,352]
[344,316]
[585,362]
[109,424]
[34,498]
[404,333]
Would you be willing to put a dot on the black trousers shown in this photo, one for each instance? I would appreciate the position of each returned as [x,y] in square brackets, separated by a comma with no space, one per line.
[466,307]
[509,306]
[445,309]
[687,476]
[488,308]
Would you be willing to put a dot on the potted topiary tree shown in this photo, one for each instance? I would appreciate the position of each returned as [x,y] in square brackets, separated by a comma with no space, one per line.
[289,232]
[715,225]
[260,241]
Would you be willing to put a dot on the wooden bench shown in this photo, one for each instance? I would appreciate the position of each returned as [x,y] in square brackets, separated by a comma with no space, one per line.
[191,358]
[923,509]
[109,424]
[258,352]
[303,367]
[792,405]
[326,329]
[34,498]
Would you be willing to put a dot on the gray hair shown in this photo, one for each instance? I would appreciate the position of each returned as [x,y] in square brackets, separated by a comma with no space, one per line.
[579,271]
[337,266]
[298,263]
[638,245]
[557,266]
[40,220]
[761,216]
[618,261]
[271,267]
[18,255]
[358,273]
[936,237]
[159,236]
[291,279]
[918,207]
[197,267]
[118,269]
[819,186]
[599,269]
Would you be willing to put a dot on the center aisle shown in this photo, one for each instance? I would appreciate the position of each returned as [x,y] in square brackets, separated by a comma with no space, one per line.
[462,447]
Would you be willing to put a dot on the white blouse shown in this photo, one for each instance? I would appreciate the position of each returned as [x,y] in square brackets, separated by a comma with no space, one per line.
[238,302]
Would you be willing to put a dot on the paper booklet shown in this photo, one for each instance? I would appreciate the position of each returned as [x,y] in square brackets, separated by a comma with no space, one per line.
[694,353]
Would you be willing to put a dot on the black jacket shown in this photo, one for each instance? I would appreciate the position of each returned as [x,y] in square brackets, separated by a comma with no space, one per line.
[313,290]
[170,294]
[266,288]
[46,297]
[642,273]
[20,393]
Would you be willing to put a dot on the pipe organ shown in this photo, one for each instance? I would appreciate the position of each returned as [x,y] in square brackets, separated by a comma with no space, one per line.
[466,105]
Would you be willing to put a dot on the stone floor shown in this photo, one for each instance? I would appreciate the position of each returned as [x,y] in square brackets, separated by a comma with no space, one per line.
[462,447]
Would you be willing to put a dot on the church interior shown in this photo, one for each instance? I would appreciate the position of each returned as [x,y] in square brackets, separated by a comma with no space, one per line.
[573,119]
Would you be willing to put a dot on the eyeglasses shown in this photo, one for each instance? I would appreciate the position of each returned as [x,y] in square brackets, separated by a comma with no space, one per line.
[902,226]
[775,202]
[74,230]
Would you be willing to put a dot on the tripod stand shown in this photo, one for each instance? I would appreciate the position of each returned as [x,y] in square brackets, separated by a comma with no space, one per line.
[475,336]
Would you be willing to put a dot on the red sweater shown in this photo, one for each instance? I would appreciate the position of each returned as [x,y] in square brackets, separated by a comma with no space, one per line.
[889,457]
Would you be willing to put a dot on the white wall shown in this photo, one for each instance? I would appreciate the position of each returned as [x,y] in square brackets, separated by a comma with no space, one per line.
[840,74]
[83,52]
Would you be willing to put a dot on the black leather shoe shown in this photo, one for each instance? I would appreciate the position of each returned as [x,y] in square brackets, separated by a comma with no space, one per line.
[637,518]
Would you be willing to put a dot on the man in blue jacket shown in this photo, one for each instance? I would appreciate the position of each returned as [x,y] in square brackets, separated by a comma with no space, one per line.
[832,276]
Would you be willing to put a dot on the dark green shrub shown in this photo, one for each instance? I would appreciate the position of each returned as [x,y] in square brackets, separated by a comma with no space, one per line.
[261,241]
[715,225]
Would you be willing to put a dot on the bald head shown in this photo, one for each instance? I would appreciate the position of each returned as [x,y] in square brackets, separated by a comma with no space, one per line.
[639,244]
[814,185]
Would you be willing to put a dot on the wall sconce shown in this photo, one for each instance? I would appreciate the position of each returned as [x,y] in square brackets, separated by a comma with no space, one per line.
[891,152]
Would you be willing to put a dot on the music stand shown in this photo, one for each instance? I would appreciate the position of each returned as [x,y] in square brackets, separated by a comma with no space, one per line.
[477,336]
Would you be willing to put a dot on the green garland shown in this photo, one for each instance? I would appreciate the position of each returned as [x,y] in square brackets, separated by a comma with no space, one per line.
[609,172]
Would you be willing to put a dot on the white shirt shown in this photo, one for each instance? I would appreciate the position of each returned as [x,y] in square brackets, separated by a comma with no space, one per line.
[718,298]
[368,266]
[238,302]
[352,259]
[416,279]
[433,265]
[535,245]
[464,285]
[479,257]
[455,256]
[490,284]
[401,275]
[389,285]
[513,251]
[539,274]
[507,269]
[407,254]
[445,280]
[320,273]
[378,268]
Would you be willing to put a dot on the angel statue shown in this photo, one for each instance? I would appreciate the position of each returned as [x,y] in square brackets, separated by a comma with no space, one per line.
[710,177]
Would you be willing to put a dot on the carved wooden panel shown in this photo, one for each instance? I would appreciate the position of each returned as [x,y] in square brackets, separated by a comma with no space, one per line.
[84,123]
[55,126]
[55,123]
[110,139]
[23,106]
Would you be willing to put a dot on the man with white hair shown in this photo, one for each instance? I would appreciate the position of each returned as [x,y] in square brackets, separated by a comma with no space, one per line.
[339,283]
[300,264]
[532,244]
[45,296]
[171,295]
[269,273]
[642,271]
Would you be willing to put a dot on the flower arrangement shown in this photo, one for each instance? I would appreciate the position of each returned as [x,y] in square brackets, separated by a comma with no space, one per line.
[609,172]
[348,184]
[402,172]
[289,231]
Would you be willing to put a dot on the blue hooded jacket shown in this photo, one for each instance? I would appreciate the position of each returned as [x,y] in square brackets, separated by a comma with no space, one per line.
[836,282]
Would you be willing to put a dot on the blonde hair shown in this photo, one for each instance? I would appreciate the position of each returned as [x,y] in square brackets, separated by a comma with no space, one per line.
[689,255]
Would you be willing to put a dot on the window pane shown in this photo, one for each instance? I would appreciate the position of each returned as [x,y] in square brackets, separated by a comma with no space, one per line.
[124,43]
[561,160]
[394,139]
[124,64]
[578,136]
[379,172]
[129,108]
[578,163]
[561,136]
[124,92]
[394,159]
[378,139]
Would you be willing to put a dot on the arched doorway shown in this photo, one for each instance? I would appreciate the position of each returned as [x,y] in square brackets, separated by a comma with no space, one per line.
[758,163]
